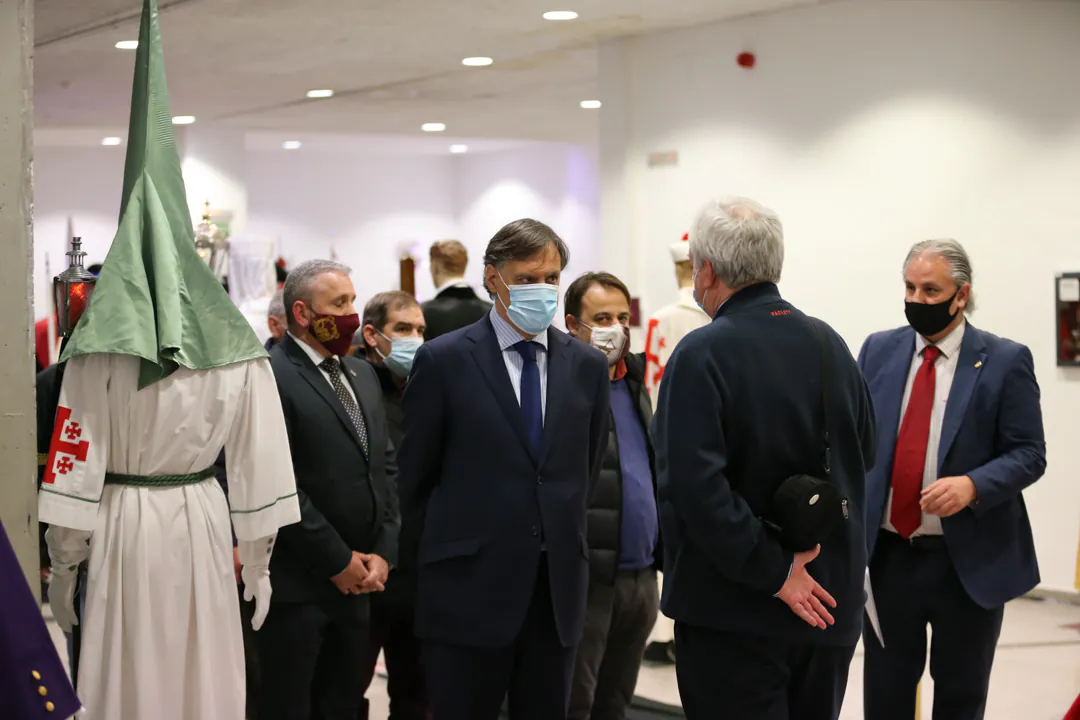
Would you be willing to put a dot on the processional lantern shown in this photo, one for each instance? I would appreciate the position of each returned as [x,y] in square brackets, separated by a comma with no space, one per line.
[72,289]
[211,244]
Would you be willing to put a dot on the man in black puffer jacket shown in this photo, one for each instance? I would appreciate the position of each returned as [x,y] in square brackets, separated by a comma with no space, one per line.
[623,527]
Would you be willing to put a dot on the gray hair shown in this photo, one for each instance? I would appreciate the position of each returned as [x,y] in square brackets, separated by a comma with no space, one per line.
[742,240]
[277,306]
[955,255]
[300,284]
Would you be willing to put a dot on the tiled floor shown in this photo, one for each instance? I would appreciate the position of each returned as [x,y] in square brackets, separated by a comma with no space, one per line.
[1036,670]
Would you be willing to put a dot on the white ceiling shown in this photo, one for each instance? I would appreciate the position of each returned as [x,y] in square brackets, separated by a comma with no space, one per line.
[394,64]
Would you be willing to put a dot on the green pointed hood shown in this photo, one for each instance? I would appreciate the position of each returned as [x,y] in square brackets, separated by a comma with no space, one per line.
[155,298]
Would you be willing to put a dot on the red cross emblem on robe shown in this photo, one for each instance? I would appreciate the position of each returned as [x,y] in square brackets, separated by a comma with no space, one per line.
[66,448]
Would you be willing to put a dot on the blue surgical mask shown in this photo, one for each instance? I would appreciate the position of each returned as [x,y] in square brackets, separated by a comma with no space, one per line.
[532,307]
[402,353]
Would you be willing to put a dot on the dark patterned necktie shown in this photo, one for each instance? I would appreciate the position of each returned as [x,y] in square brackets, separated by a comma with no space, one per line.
[532,409]
[333,369]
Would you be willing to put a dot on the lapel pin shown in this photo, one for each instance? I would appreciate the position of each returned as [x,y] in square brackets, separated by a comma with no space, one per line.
[978,364]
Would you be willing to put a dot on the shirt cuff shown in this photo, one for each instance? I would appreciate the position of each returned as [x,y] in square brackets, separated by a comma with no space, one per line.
[789,571]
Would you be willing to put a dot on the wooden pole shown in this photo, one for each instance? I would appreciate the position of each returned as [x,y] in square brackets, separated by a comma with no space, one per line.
[408,275]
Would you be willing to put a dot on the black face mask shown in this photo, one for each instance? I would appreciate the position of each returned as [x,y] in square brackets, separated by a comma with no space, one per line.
[928,320]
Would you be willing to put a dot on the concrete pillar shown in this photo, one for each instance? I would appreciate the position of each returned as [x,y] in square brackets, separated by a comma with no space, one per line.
[18,444]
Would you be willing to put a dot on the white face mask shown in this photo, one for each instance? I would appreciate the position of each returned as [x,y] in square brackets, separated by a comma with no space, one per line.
[613,341]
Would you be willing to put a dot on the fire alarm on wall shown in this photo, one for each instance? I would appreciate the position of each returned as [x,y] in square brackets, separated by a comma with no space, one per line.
[746,60]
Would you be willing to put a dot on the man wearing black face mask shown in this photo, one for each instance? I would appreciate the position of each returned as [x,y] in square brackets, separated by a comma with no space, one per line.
[960,436]
[312,646]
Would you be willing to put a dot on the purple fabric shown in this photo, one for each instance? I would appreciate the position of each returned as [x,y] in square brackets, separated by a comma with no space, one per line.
[28,657]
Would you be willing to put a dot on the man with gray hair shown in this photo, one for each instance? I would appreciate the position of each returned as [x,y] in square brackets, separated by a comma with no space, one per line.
[949,540]
[275,319]
[312,650]
[760,405]
[505,430]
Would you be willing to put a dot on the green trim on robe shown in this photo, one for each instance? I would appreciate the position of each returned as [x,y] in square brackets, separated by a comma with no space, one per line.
[155,298]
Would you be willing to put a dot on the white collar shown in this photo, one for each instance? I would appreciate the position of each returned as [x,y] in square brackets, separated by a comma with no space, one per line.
[311,352]
[948,345]
[458,282]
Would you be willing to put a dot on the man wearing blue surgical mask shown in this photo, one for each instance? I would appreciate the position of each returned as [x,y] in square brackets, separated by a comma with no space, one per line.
[393,330]
[506,425]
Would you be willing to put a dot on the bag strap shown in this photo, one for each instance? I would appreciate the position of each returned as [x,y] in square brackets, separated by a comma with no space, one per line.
[827,371]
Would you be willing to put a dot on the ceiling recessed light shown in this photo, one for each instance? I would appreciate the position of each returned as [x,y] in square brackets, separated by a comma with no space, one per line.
[320,93]
[459,149]
[127,45]
[590,104]
[291,144]
[560,15]
[433,127]
[183,119]
[110,141]
[477,61]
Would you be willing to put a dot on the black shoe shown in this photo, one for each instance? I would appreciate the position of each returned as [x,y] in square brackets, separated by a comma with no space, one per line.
[660,653]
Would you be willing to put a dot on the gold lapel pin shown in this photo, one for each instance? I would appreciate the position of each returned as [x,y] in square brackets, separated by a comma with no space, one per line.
[978,364]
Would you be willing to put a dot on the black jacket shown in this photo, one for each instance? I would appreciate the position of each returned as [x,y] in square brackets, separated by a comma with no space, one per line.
[741,411]
[347,502]
[453,308]
[605,504]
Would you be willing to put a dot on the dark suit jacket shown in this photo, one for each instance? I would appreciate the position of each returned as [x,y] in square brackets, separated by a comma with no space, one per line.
[452,309]
[476,503]
[346,501]
[739,412]
[992,432]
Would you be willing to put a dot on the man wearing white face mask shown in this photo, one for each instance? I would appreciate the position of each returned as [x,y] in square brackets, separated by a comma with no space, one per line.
[393,330]
[505,428]
[623,524]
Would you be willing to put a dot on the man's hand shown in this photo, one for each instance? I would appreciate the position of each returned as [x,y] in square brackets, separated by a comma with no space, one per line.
[350,581]
[804,595]
[237,565]
[948,496]
[378,571]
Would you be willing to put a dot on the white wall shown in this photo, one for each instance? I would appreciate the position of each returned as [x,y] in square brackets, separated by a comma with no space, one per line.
[366,205]
[869,126]
[364,208]
[85,184]
[556,184]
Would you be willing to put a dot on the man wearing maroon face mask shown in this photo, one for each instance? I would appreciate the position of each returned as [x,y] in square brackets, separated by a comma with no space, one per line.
[312,644]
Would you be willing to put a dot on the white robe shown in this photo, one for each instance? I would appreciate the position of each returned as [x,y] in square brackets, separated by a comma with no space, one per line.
[667,327]
[161,631]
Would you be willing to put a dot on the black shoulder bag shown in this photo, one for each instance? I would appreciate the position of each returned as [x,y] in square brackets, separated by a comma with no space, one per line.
[807,509]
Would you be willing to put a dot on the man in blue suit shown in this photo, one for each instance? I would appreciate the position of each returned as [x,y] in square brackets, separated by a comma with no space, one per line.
[506,423]
[761,632]
[960,436]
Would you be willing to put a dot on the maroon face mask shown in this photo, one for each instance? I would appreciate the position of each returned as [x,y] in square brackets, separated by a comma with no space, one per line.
[335,332]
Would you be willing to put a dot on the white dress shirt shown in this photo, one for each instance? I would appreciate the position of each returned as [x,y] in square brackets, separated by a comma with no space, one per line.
[318,359]
[944,371]
[508,337]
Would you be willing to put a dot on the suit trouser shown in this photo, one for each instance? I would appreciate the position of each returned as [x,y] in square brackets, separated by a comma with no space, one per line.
[732,676]
[310,656]
[251,655]
[533,673]
[916,585]
[617,625]
[392,621]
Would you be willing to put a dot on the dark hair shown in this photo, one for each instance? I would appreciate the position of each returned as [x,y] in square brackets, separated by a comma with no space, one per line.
[579,287]
[522,239]
[378,309]
[450,256]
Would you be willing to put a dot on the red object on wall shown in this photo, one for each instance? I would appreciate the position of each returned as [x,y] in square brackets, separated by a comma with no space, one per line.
[746,60]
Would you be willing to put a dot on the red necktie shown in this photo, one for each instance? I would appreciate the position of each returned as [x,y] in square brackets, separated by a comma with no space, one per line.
[910,459]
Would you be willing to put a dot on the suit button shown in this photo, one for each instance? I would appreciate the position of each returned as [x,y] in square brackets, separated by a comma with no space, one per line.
[539,479]
[536,532]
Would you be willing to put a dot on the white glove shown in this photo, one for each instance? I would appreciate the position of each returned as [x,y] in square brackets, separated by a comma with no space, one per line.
[67,549]
[255,558]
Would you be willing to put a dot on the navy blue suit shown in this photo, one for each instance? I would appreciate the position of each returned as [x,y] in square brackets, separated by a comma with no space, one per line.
[497,535]
[992,432]
[740,410]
